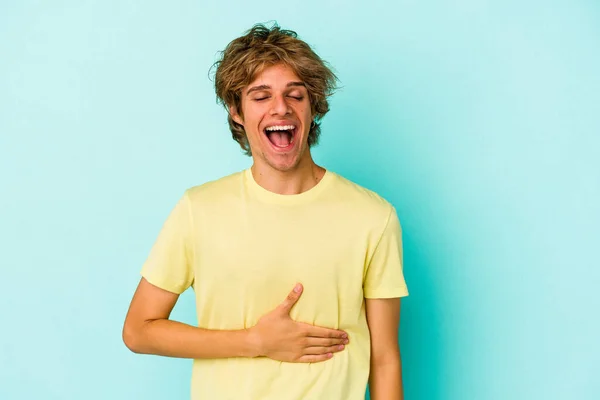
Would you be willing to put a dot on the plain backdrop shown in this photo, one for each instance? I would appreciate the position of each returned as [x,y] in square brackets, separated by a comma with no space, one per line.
[478,120]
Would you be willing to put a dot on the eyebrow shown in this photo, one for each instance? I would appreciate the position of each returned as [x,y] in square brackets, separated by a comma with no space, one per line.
[267,87]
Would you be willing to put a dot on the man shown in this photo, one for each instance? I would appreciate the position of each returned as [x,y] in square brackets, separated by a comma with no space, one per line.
[297,271]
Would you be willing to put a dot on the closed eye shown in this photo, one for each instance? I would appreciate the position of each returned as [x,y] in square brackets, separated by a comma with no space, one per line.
[299,98]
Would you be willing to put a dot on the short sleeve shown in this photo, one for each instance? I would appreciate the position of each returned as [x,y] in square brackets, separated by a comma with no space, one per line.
[384,277]
[169,264]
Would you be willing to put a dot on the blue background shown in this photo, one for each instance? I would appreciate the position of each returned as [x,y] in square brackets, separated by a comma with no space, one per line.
[478,120]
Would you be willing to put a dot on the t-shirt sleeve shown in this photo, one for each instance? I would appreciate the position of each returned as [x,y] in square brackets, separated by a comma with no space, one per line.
[384,276]
[169,264]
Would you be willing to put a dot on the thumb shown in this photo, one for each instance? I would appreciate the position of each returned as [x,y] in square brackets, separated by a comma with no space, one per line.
[291,299]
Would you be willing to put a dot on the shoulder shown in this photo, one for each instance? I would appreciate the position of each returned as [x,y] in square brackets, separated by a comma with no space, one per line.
[214,190]
[366,200]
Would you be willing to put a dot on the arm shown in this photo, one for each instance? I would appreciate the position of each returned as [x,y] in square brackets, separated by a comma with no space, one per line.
[148,330]
[383,318]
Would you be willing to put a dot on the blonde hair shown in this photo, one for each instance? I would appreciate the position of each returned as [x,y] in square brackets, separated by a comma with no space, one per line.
[247,56]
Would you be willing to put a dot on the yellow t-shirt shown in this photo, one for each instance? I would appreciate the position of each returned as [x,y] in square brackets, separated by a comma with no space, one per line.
[242,248]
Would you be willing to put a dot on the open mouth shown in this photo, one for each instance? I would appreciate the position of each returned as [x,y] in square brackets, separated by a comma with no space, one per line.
[281,136]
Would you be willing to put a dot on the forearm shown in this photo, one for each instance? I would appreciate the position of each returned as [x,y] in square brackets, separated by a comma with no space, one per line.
[385,381]
[175,339]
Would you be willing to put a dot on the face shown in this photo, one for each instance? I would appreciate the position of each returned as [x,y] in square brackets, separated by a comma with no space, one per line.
[276,117]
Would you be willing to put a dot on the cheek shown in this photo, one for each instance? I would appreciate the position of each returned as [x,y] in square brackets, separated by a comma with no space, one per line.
[303,112]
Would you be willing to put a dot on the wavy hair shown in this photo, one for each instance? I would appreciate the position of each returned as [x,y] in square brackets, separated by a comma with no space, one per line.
[247,56]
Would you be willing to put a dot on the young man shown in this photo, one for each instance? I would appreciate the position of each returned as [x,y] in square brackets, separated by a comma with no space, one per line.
[297,271]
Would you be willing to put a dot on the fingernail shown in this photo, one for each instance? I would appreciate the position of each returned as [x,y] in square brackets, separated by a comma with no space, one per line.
[341,347]
[346,341]
[344,336]
[297,288]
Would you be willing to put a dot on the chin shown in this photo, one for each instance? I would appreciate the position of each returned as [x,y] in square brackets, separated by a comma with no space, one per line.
[279,160]
[282,166]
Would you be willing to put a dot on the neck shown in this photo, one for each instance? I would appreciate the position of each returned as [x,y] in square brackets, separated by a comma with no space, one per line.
[294,181]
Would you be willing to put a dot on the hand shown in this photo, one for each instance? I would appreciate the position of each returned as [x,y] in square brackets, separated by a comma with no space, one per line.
[279,337]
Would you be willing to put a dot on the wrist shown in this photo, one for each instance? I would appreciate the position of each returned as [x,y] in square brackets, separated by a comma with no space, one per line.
[252,343]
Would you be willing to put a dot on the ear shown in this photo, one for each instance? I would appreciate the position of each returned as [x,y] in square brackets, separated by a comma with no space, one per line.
[234,114]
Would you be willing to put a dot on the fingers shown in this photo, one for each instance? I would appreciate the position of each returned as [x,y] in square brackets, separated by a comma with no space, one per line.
[315,358]
[324,342]
[291,299]
[324,350]
[320,353]
[319,332]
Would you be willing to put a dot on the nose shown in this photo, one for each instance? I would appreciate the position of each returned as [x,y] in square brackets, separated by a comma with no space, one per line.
[279,106]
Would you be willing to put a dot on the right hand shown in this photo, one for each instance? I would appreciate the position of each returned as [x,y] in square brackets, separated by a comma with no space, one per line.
[277,336]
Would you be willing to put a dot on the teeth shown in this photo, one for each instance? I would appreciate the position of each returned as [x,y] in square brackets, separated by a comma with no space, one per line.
[280,128]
